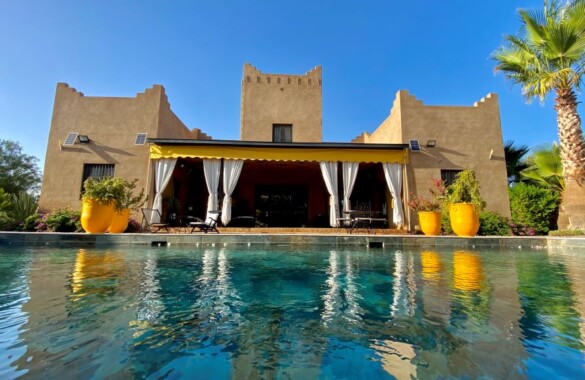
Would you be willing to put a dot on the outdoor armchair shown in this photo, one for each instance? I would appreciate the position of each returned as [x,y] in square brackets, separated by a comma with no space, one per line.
[210,223]
[153,219]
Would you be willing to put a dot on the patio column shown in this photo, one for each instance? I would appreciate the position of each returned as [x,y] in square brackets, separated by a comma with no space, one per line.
[329,171]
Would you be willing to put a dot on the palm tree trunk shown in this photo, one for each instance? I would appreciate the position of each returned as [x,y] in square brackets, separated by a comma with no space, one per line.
[572,210]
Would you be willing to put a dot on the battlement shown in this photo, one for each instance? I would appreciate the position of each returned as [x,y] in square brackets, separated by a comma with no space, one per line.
[490,98]
[362,138]
[155,90]
[64,87]
[403,96]
[310,78]
[198,134]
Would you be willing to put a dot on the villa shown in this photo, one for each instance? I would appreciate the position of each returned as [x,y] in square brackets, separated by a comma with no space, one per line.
[280,173]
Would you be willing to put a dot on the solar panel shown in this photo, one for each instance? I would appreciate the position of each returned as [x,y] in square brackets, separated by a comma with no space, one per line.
[71,138]
[414,145]
[140,139]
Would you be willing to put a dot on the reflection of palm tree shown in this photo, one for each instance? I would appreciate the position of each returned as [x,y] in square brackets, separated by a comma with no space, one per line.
[548,301]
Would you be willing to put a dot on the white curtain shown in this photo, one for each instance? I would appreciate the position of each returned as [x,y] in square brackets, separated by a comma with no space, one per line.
[231,173]
[349,170]
[163,171]
[393,174]
[329,171]
[211,168]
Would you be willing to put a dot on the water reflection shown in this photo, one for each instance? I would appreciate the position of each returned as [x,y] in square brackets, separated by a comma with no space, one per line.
[268,314]
[404,286]
[468,272]
[341,299]
[149,304]
[432,266]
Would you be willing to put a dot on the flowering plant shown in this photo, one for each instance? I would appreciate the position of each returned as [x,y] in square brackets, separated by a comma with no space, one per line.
[438,191]
[520,230]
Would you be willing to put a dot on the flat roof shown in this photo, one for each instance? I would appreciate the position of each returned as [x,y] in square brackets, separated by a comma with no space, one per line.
[267,144]
[269,151]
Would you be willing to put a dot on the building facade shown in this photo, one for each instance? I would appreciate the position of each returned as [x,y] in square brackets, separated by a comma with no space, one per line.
[284,174]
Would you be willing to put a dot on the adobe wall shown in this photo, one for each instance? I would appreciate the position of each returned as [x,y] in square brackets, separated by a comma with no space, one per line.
[467,137]
[111,124]
[269,99]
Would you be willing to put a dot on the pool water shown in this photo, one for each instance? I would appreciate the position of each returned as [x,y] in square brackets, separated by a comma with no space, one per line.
[291,313]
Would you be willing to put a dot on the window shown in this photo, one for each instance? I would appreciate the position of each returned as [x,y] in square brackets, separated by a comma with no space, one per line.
[449,176]
[282,132]
[96,171]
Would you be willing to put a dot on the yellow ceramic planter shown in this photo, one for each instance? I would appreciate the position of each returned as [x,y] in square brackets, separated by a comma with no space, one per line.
[430,222]
[464,219]
[467,273]
[96,216]
[119,221]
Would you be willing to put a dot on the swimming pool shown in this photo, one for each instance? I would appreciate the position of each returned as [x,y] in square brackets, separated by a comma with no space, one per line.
[284,313]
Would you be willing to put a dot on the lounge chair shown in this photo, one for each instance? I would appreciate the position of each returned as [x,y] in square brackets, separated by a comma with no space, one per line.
[210,223]
[153,219]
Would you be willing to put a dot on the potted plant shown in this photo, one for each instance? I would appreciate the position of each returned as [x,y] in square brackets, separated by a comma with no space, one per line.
[465,203]
[127,201]
[429,211]
[99,201]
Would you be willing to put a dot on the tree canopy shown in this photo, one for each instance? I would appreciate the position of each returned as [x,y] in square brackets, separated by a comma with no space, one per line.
[18,171]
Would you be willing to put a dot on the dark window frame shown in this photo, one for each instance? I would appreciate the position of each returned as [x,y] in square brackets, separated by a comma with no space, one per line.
[449,175]
[282,132]
[96,171]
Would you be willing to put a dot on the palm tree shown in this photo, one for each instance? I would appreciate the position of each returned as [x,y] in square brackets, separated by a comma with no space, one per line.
[514,163]
[547,55]
[544,168]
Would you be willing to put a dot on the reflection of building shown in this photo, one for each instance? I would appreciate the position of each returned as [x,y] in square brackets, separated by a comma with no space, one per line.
[280,173]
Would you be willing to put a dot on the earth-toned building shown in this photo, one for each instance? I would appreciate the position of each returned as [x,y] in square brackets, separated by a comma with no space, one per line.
[280,173]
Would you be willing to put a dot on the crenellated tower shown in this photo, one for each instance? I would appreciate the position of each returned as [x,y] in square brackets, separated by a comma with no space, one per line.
[279,107]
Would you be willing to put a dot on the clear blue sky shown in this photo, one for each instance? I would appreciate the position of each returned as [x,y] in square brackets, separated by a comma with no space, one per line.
[438,51]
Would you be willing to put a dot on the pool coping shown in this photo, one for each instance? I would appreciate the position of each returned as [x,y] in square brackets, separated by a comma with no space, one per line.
[84,240]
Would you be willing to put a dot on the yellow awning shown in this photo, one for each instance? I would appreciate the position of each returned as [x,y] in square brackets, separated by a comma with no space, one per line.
[280,154]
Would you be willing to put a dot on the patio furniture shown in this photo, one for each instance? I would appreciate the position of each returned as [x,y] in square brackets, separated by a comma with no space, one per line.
[153,219]
[210,223]
[354,219]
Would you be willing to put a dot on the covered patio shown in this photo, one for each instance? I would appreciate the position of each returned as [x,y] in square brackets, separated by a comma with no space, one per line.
[290,186]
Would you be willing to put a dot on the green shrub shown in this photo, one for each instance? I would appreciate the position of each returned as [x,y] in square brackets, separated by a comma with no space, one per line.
[106,189]
[493,224]
[60,220]
[22,205]
[566,233]
[446,222]
[534,207]
[30,223]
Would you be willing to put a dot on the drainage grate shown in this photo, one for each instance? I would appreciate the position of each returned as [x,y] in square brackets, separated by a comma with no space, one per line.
[375,244]
[158,243]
